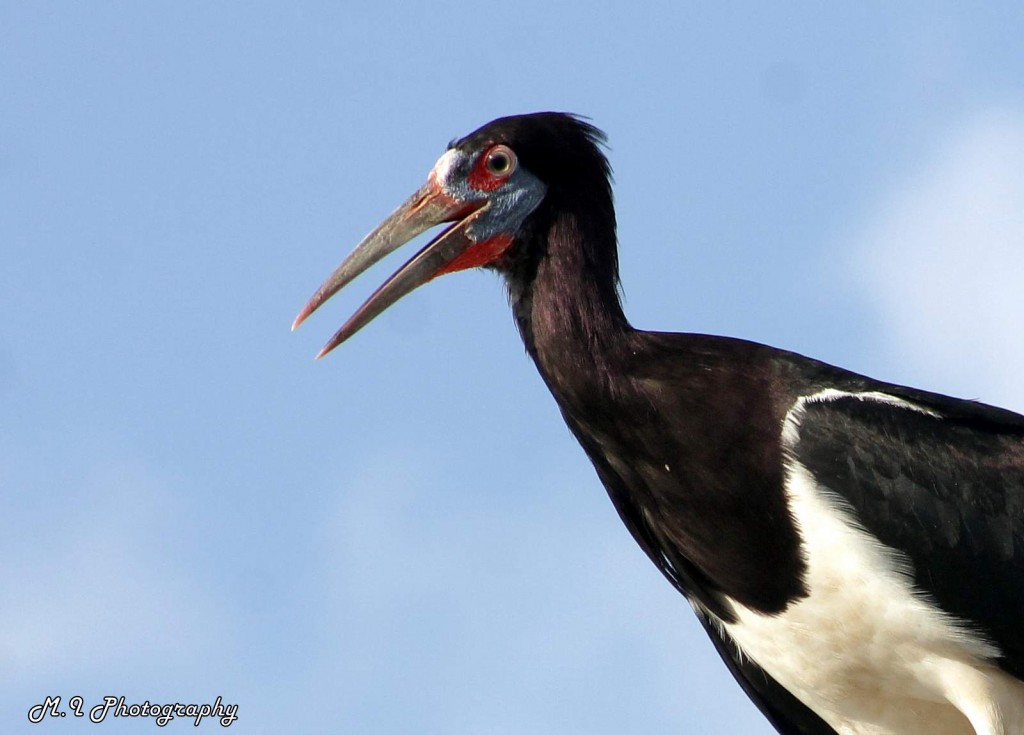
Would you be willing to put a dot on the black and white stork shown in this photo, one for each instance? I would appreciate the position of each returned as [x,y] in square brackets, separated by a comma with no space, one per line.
[853,548]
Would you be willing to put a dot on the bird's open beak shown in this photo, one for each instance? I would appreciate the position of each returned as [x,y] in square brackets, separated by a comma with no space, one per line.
[428,207]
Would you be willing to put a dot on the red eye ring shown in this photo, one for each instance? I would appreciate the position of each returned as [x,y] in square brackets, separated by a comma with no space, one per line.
[500,161]
[493,168]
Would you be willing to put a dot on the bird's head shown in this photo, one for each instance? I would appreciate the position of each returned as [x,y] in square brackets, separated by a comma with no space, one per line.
[486,185]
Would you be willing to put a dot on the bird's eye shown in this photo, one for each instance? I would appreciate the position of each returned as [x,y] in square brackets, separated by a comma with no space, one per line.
[500,161]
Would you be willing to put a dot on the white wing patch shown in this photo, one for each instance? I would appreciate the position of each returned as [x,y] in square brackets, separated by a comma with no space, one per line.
[791,424]
[865,650]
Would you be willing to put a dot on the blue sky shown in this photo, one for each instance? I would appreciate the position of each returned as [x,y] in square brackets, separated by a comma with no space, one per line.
[403,538]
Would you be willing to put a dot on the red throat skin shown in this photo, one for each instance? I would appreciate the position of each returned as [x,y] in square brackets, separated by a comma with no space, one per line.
[478,255]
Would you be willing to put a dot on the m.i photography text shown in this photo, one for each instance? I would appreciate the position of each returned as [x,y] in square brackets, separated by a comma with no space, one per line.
[112,706]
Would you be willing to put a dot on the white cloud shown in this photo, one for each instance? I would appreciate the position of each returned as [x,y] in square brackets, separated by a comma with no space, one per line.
[943,261]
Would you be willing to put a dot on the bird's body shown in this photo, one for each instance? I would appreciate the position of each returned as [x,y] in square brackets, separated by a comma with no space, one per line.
[854,549]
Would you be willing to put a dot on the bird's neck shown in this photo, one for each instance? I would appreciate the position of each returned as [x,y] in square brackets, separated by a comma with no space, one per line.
[566,304]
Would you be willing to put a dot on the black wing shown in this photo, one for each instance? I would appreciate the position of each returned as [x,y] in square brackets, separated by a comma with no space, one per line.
[941,480]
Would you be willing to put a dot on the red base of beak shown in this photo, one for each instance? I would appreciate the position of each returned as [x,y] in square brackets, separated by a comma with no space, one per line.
[481,254]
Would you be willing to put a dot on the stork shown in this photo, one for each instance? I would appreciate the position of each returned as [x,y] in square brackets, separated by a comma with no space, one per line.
[854,549]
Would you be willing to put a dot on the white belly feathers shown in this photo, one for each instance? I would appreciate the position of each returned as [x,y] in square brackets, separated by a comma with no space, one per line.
[864,650]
